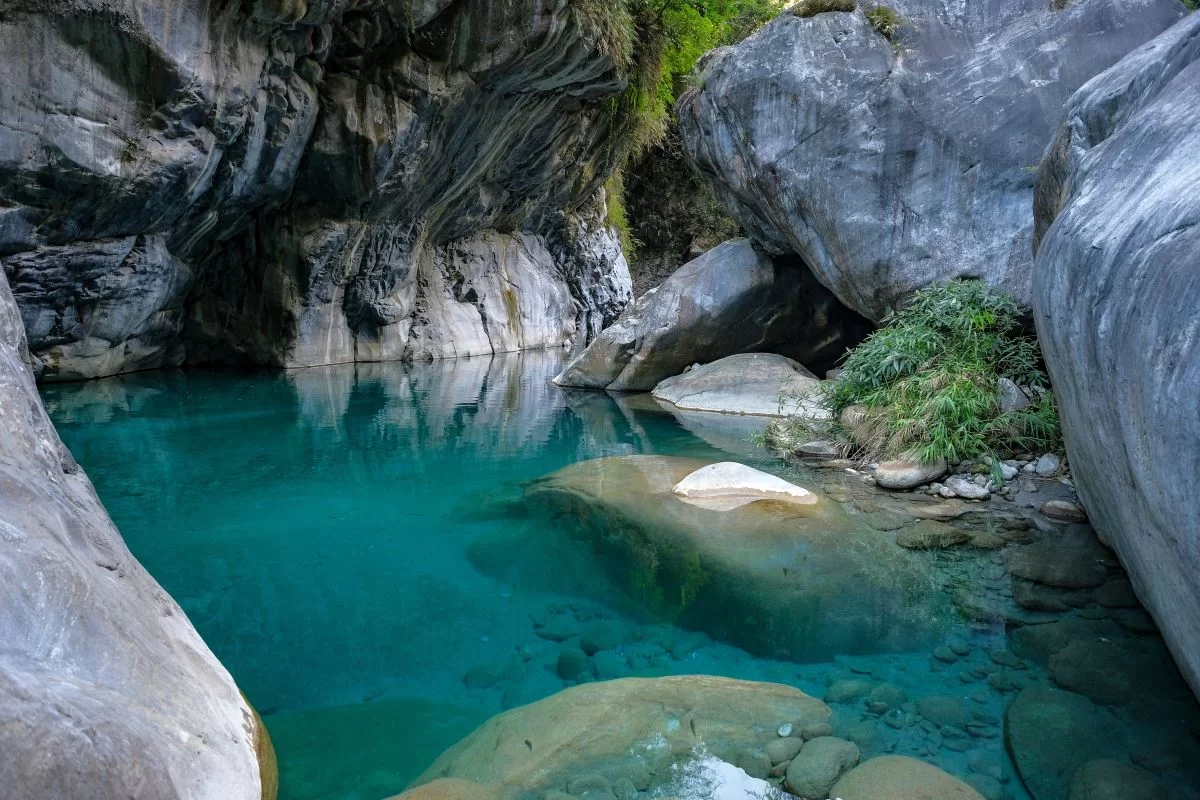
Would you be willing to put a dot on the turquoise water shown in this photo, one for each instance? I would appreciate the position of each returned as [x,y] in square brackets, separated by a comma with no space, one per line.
[354,545]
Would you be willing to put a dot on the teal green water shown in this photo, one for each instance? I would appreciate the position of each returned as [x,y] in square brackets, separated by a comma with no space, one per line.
[332,534]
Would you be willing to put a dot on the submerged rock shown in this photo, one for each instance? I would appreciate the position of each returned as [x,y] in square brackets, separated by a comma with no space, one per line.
[661,732]
[1106,779]
[760,575]
[888,163]
[1050,733]
[733,299]
[764,384]
[812,773]
[1116,292]
[106,690]
[900,778]
[1075,560]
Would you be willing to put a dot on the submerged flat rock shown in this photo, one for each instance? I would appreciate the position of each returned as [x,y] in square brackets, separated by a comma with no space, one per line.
[728,484]
[763,384]
[780,579]
[680,733]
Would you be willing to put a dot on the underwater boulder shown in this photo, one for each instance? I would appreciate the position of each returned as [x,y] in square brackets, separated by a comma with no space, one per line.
[680,732]
[776,578]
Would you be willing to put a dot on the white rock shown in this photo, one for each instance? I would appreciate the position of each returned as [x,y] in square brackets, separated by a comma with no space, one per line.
[966,488]
[763,384]
[1008,471]
[728,484]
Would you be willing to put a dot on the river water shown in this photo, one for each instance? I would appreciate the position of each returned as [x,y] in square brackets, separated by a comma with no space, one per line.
[354,543]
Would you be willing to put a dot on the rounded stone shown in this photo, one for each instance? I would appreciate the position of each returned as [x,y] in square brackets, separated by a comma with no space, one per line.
[900,778]
[814,771]
[781,750]
[903,474]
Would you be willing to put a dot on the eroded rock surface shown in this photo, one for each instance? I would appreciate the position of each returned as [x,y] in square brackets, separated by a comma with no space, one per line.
[106,690]
[304,183]
[890,164]
[733,299]
[1117,285]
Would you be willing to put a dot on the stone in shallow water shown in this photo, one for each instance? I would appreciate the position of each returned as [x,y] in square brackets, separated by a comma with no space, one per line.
[760,575]
[763,384]
[819,764]
[930,535]
[728,484]
[1050,733]
[900,778]
[1106,779]
[907,474]
[678,729]
[1076,560]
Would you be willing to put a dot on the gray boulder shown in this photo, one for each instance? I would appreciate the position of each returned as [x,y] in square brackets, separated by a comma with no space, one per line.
[887,165]
[106,690]
[764,384]
[1117,288]
[733,299]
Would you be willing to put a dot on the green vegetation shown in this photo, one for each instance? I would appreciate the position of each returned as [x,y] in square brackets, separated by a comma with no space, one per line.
[810,8]
[656,44]
[885,21]
[617,218]
[1193,5]
[928,380]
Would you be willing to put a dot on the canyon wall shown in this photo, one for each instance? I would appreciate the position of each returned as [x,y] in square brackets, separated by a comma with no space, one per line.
[294,183]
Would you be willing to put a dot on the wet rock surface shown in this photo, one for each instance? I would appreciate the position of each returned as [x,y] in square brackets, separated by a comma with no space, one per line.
[819,134]
[1115,296]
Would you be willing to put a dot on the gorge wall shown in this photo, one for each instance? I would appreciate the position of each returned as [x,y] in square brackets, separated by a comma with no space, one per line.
[294,183]
[106,690]
[1117,301]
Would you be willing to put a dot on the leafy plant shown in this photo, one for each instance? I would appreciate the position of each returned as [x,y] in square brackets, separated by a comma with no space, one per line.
[928,380]
[886,21]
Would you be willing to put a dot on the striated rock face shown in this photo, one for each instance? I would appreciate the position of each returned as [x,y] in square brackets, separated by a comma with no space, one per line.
[106,690]
[297,183]
[887,165]
[1117,287]
[731,300]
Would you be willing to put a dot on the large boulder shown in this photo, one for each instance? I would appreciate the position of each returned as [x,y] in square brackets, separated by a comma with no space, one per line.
[733,299]
[1117,285]
[106,690]
[759,575]
[900,778]
[1051,733]
[764,384]
[890,162]
[652,734]
[298,183]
